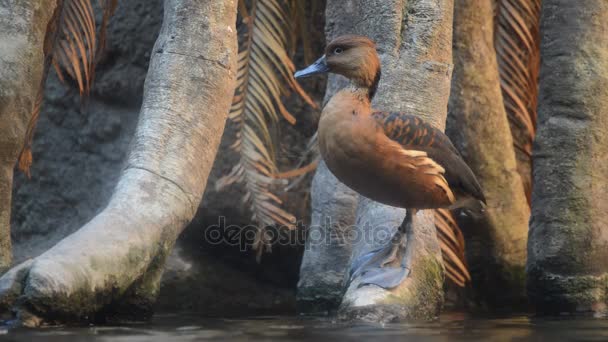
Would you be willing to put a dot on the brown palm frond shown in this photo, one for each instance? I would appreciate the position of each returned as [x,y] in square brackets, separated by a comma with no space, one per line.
[265,75]
[109,7]
[300,171]
[451,241]
[308,162]
[301,15]
[70,47]
[517,43]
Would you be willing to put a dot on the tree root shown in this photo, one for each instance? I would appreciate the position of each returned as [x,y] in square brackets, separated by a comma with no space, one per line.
[111,267]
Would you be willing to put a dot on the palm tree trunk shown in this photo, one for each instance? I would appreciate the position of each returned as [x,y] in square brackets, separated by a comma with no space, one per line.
[414,40]
[568,241]
[22,30]
[113,264]
[478,125]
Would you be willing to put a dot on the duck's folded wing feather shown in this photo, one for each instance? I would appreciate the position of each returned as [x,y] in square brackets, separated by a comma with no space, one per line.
[414,134]
[416,170]
[409,130]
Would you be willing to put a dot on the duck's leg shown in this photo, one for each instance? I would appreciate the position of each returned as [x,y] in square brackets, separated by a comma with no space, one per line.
[388,267]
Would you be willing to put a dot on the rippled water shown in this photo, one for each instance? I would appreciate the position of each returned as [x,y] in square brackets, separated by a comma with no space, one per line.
[452,327]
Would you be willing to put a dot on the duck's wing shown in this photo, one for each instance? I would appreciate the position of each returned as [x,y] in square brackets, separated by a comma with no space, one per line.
[412,133]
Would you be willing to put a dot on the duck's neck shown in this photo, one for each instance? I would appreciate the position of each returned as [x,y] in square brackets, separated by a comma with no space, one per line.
[367,88]
[374,87]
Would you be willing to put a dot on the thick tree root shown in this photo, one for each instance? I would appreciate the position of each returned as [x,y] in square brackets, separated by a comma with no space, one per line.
[111,267]
[418,297]
[114,258]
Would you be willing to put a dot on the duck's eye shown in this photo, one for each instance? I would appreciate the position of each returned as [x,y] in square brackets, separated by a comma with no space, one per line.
[338,50]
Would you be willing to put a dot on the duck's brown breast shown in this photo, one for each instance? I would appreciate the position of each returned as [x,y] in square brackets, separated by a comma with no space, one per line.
[358,153]
[346,137]
[347,151]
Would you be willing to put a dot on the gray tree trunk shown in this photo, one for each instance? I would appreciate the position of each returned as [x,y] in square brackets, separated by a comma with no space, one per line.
[22,31]
[478,125]
[324,268]
[113,264]
[414,40]
[568,242]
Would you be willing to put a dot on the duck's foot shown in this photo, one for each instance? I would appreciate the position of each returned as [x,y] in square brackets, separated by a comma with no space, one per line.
[389,266]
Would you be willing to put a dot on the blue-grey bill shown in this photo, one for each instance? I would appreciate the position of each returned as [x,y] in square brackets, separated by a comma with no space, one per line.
[318,67]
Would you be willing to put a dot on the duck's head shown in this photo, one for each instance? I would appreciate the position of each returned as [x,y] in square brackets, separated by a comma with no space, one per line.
[352,56]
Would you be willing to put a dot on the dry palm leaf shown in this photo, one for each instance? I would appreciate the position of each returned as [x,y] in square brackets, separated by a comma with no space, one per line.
[308,162]
[451,241]
[517,43]
[71,46]
[265,75]
[301,17]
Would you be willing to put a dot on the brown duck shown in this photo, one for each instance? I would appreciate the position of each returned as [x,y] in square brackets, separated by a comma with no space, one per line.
[393,158]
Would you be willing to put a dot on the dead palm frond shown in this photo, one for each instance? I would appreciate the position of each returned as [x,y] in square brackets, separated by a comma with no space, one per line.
[71,47]
[303,27]
[451,241]
[265,76]
[517,43]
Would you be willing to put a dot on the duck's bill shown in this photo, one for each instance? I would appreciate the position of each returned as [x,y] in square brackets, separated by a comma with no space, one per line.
[318,67]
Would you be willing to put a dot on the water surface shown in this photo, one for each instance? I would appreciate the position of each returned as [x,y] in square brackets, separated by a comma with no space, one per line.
[450,327]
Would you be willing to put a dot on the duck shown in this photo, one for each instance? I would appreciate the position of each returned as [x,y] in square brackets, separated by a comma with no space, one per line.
[390,157]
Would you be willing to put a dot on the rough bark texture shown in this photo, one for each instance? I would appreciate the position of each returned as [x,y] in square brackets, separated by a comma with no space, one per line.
[115,261]
[568,241]
[478,125]
[324,269]
[22,31]
[414,42]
